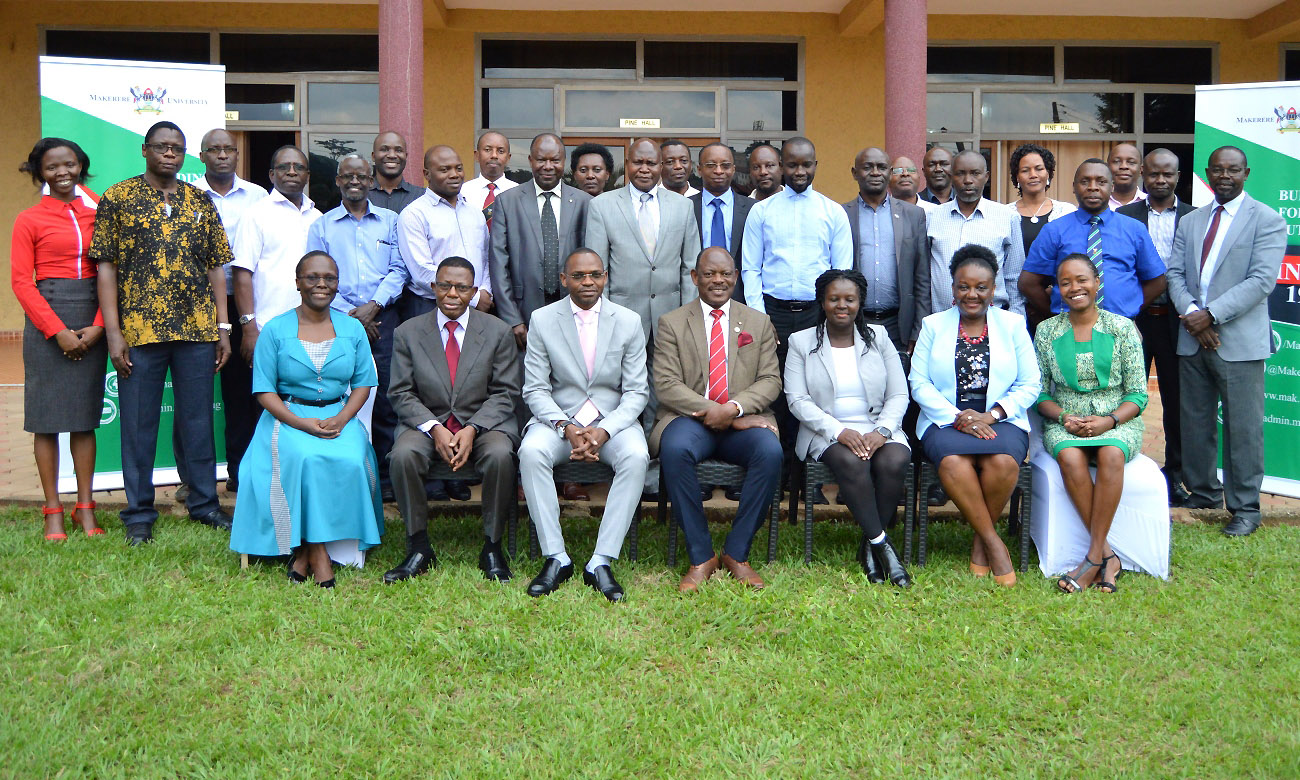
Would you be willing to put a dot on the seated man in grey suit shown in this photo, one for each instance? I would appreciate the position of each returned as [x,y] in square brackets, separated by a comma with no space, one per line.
[1224,264]
[454,386]
[585,382]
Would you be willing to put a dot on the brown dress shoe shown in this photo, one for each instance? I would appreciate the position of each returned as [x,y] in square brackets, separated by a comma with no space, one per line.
[572,491]
[696,575]
[742,571]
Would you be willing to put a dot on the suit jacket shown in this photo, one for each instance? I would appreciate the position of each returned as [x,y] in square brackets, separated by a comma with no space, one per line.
[681,365]
[811,383]
[488,375]
[515,250]
[1244,275]
[556,384]
[912,254]
[740,206]
[649,286]
[1014,377]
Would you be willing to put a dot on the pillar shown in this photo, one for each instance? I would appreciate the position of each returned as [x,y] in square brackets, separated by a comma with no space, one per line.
[401,78]
[906,38]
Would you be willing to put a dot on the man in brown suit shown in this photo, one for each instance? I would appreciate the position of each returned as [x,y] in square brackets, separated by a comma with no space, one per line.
[455,382]
[716,375]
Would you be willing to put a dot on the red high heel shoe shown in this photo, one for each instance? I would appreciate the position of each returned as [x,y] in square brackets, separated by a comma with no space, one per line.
[96,531]
[53,510]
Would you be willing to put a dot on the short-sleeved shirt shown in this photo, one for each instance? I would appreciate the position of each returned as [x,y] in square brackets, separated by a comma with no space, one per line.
[1128,258]
[163,256]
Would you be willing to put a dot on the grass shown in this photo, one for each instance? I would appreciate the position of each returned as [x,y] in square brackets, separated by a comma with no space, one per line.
[168,661]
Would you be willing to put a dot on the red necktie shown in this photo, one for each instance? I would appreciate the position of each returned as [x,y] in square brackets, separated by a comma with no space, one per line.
[453,360]
[717,360]
[488,201]
[1209,236]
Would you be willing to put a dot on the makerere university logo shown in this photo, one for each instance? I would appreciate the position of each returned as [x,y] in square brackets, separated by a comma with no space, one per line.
[147,101]
[1286,119]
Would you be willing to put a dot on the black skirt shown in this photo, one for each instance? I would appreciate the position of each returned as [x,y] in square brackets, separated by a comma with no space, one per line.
[62,395]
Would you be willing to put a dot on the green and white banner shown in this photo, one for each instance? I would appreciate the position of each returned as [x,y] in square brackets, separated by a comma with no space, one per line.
[1263,120]
[106,106]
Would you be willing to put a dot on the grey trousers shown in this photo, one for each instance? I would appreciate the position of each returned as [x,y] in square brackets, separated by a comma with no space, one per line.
[493,455]
[1205,381]
[543,449]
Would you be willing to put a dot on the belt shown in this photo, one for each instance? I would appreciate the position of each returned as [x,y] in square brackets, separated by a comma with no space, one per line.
[1158,310]
[880,315]
[291,399]
[787,305]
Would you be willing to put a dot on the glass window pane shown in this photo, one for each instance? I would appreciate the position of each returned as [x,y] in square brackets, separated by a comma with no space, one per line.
[263,53]
[559,59]
[262,102]
[949,112]
[518,108]
[1169,112]
[757,60]
[756,111]
[1018,112]
[130,45]
[324,151]
[990,64]
[603,108]
[1290,71]
[343,104]
[1138,65]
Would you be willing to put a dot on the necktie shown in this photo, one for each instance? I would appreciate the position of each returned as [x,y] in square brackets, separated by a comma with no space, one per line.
[487,203]
[453,360]
[550,246]
[717,360]
[1208,243]
[587,337]
[645,221]
[1094,251]
[717,234]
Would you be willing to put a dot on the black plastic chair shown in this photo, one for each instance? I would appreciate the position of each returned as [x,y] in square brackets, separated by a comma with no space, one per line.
[722,474]
[1018,515]
[817,473]
[585,472]
[438,469]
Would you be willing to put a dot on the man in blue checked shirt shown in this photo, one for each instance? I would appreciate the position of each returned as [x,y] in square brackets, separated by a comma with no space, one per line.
[362,239]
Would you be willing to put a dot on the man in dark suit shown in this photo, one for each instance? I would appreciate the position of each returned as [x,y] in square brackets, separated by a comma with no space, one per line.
[722,224]
[1225,262]
[1159,323]
[716,376]
[890,250]
[456,379]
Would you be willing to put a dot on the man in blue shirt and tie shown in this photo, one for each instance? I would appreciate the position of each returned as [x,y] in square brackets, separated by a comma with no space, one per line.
[362,239]
[1132,273]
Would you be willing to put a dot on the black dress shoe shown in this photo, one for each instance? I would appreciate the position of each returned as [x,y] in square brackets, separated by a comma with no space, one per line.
[890,566]
[550,578]
[326,584]
[817,496]
[936,496]
[492,562]
[457,489]
[732,494]
[649,496]
[138,534]
[435,490]
[706,493]
[294,576]
[232,484]
[386,494]
[870,566]
[416,563]
[1241,526]
[1178,495]
[215,519]
[602,580]
[1193,502]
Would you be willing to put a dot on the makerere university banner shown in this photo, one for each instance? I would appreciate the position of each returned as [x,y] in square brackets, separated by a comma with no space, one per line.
[1263,120]
[106,106]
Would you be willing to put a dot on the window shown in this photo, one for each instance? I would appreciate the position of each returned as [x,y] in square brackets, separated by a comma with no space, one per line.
[262,102]
[762,110]
[990,64]
[1169,112]
[1023,112]
[297,53]
[559,59]
[508,107]
[1291,64]
[1139,64]
[948,112]
[195,47]
[343,104]
[602,109]
[758,60]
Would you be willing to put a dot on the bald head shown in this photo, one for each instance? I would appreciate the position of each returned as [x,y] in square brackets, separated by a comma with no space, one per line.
[871,172]
[904,179]
[643,164]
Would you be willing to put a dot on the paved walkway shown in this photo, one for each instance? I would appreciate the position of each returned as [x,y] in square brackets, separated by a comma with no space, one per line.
[19,483]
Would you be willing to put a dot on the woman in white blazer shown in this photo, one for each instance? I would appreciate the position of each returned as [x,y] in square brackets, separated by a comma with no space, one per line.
[974,375]
[845,384]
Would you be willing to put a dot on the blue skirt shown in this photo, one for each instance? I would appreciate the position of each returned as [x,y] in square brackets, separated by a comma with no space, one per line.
[939,443]
[296,488]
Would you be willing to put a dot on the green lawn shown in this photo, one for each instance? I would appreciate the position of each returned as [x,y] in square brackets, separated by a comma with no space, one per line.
[168,661]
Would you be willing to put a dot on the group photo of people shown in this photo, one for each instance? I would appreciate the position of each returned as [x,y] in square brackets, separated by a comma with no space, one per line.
[412,342]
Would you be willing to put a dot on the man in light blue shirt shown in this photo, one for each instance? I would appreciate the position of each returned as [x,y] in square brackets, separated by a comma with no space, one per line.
[362,239]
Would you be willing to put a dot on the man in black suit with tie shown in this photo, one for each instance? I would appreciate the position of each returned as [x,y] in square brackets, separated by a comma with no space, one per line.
[1159,323]
[720,212]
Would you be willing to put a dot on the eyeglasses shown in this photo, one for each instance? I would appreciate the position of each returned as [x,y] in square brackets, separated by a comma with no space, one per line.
[579,276]
[717,166]
[1233,171]
[165,148]
[446,287]
[287,167]
[221,150]
[901,171]
[315,279]
[350,176]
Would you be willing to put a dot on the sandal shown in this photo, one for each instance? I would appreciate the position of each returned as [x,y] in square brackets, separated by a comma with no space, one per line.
[1069,583]
[46,511]
[96,530]
[1104,585]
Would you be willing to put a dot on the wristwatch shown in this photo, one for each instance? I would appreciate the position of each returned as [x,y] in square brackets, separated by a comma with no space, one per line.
[883,431]
[225,327]
[997,414]
[561,425]
[247,318]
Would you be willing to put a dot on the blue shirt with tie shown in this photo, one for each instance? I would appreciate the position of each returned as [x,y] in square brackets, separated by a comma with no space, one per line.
[370,265]
[725,209]
[1128,258]
[790,239]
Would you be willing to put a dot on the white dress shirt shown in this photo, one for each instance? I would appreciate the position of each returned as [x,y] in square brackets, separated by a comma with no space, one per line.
[271,239]
[443,319]
[230,207]
[476,189]
[1230,210]
[432,229]
[555,203]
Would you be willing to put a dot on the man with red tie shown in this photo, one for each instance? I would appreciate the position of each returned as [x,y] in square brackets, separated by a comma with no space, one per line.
[716,375]
[454,385]
[492,154]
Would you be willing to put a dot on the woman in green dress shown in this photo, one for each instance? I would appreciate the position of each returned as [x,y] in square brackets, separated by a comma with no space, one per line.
[1094,391]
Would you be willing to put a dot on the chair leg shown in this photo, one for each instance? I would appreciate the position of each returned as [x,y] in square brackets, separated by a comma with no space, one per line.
[632,534]
[923,505]
[512,529]
[1026,510]
[663,517]
[795,485]
[534,547]
[807,516]
[773,523]
[909,511]
[243,560]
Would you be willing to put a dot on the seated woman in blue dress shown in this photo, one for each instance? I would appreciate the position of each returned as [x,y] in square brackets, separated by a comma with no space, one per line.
[974,374]
[309,475]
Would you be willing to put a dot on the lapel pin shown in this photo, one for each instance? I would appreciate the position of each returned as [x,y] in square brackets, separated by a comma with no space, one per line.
[737,329]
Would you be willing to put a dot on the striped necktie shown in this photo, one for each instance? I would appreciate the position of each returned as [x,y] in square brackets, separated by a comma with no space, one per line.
[1094,252]
[717,390]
